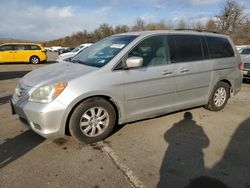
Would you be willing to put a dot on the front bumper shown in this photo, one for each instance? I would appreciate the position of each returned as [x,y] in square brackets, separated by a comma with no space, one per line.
[44,119]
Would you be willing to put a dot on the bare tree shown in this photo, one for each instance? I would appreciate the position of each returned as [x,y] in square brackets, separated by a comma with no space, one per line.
[121,29]
[139,25]
[198,26]
[157,26]
[182,24]
[211,25]
[230,17]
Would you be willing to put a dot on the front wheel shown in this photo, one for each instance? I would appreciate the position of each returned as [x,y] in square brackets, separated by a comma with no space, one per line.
[219,97]
[92,120]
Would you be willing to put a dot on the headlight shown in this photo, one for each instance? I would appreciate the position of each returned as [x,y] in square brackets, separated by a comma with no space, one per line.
[47,93]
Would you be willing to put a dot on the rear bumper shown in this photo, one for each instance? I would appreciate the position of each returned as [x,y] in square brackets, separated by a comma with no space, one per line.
[43,58]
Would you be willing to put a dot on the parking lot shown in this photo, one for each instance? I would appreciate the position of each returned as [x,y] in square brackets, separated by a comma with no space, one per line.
[191,148]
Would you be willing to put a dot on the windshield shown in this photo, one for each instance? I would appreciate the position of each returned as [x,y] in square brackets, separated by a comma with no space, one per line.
[100,53]
[76,49]
[244,51]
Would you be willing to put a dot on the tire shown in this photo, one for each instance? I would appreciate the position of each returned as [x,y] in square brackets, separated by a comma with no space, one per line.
[34,60]
[92,120]
[219,97]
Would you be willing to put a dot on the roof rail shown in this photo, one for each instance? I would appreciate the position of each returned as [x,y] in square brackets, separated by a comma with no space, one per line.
[198,30]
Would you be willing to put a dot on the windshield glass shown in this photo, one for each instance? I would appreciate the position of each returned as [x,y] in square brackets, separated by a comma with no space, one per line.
[76,49]
[100,53]
[244,51]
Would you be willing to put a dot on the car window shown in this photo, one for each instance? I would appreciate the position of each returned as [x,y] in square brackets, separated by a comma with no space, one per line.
[6,47]
[245,51]
[219,47]
[153,51]
[102,52]
[32,47]
[19,47]
[184,48]
[76,49]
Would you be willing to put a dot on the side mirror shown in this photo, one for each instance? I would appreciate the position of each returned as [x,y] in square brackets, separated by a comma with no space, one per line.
[133,62]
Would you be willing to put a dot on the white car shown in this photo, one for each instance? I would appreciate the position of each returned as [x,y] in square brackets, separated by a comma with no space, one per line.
[73,52]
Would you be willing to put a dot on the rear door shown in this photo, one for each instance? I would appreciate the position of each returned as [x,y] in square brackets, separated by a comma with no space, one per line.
[33,50]
[6,53]
[20,53]
[193,69]
[149,90]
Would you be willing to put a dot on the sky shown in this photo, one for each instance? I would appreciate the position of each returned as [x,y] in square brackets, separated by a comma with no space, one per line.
[51,19]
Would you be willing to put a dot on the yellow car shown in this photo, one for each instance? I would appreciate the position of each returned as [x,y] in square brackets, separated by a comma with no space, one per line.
[22,52]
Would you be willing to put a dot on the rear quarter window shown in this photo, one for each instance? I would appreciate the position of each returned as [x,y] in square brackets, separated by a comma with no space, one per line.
[219,47]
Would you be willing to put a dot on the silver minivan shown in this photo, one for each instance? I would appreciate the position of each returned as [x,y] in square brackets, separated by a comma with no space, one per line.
[128,77]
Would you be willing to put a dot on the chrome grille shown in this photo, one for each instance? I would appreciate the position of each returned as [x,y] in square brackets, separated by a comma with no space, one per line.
[247,65]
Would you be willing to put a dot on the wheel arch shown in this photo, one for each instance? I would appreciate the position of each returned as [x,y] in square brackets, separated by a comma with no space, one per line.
[226,81]
[106,97]
[229,83]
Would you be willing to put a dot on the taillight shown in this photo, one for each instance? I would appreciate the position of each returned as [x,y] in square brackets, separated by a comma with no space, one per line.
[240,66]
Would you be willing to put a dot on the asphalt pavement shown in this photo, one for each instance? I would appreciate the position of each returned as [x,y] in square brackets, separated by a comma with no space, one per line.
[188,149]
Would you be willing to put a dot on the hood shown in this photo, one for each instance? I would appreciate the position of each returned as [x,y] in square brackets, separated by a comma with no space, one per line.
[61,58]
[59,72]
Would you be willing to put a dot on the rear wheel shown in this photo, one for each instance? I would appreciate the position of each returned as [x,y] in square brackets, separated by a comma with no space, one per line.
[34,60]
[92,120]
[219,97]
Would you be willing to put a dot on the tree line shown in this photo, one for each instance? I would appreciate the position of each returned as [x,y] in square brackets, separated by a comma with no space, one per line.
[231,20]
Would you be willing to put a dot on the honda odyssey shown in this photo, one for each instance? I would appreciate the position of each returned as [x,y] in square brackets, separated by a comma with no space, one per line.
[128,77]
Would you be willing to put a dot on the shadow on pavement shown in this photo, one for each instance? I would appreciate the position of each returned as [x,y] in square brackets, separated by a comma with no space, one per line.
[14,148]
[49,62]
[206,182]
[12,74]
[183,163]
[234,167]
[183,159]
[5,99]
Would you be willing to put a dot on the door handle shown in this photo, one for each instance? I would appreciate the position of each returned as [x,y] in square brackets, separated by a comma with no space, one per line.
[184,70]
[166,72]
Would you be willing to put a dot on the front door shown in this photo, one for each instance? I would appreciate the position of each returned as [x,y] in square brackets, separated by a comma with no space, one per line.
[150,89]
[6,53]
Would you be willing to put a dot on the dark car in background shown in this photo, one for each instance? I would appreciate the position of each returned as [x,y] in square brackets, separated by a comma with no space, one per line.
[246,66]
[65,50]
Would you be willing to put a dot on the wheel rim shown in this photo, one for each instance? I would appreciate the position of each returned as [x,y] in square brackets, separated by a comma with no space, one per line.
[220,97]
[34,60]
[94,121]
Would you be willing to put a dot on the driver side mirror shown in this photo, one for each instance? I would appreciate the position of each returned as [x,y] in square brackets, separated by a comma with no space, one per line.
[133,62]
